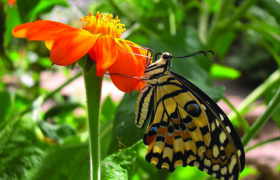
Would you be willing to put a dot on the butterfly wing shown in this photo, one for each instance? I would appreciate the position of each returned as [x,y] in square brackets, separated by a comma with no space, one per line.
[188,128]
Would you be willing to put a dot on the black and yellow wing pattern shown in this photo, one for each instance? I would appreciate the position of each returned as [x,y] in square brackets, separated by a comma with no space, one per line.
[187,127]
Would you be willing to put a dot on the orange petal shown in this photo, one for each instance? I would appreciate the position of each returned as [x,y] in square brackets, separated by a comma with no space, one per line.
[127,64]
[41,30]
[71,46]
[104,53]
[140,86]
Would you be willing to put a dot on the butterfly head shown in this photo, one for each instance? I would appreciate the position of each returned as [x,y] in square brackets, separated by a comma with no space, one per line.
[160,66]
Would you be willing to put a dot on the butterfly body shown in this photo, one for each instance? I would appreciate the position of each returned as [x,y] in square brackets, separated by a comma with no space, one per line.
[186,126]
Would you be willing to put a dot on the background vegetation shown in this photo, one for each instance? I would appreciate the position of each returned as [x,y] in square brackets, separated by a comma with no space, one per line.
[43,133]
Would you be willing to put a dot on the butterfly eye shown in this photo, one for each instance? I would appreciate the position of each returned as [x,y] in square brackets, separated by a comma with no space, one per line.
[166,56]
[193,109]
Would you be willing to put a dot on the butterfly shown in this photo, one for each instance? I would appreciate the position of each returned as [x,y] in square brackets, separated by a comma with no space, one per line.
[186,127]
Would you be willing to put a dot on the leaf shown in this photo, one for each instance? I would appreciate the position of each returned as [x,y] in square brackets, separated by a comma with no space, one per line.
[219,71]
[120,165]
[248,171]
[12,19]
[223,43]
[272,7]
[20,149]
[56,132]
[61,109]
[108,109]
[89,63]
[124,126]
[30,9]
[68,161]
[187,173]
[5,104]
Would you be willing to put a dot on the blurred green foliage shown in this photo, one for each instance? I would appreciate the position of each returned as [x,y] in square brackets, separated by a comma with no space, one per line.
[39,142]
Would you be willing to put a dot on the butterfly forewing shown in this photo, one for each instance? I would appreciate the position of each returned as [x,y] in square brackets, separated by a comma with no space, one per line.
[186,127]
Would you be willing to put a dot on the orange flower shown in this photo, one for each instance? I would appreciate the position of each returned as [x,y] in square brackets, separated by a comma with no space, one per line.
[100,38]
[12,2]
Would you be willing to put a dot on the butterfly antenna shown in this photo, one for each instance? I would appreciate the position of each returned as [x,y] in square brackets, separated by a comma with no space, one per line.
[195,54]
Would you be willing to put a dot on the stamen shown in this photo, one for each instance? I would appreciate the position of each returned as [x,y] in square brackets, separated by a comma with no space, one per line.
[103,24]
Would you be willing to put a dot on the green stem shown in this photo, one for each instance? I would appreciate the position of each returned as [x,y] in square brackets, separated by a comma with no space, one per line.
[240,11]
[262,143]
[215,27]
[273,105]
[172,21]
[222,22]
[272,51]
[241,119]
[93,85]
[203,22]
[245,104]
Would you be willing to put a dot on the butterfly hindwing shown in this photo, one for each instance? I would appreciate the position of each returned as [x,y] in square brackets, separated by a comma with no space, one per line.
[221,127]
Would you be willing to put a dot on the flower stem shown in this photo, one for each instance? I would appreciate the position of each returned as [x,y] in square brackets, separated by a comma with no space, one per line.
[93,85]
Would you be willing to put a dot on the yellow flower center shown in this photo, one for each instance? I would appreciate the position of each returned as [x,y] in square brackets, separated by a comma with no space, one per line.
[103,24]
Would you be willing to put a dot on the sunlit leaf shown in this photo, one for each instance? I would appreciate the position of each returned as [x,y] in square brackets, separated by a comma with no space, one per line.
[120,165]
[248,171]
[219,71]
[30,9]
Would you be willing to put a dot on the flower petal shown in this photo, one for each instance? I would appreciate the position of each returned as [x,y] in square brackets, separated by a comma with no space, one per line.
[41,30]
[104,53]
[71,46]
[127,64]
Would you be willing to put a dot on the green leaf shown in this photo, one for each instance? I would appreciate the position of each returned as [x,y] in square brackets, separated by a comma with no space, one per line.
[68,161]
[108,109]
[11,21]
[248,171]
[219,71]
[89,63]
[223,43]
[30,9]
[56,132]
[5,104]
[120,165]
[272,7]
[61,109]
[20,148]
[124,127]
[187,173]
